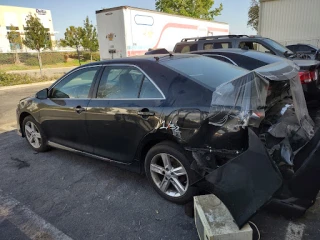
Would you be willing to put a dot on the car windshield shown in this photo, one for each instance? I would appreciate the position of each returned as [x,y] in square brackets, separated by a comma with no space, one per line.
[278,46]
[208,71]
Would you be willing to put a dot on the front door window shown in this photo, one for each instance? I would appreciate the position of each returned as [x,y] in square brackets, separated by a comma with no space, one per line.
[76,84]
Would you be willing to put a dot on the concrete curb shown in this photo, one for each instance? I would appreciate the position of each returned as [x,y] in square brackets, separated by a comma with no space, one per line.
[26,85]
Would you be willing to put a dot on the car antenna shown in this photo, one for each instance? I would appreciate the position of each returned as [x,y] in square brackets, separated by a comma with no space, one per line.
[157,58]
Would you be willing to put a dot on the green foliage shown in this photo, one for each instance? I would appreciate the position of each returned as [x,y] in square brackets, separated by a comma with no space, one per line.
[190,8]
[9,79]
[48,58]
[96,56]
[31,61]
[87,56]
[72,37]
[253,15]
[14,38]
[6,58]
[36,36]
[89,37]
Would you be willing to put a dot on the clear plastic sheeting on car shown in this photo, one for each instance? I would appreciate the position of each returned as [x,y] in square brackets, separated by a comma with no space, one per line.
[288,70]
[243,99]
[300,106]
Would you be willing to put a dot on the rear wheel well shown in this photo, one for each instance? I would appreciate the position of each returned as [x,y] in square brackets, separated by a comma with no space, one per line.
[21,118]
[148,145]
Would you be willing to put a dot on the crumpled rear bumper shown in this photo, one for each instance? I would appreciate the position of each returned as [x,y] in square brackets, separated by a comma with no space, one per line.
[251,180]
[305,183]
[245,183]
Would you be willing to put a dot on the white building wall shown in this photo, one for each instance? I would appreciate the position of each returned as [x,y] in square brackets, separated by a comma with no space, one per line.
[290,21]
[16,16]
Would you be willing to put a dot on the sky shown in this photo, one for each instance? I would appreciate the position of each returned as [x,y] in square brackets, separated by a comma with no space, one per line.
[66,13]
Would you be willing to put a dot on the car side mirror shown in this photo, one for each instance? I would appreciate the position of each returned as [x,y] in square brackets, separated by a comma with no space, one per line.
[43,94]
[313,51]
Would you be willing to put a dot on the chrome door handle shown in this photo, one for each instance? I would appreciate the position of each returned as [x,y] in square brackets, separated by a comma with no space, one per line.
[79,109]
[146,113]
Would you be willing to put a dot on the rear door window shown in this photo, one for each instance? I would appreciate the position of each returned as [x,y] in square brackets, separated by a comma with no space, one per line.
[305,48]
[184,48]
[251,45]
[217,45]
[293,48]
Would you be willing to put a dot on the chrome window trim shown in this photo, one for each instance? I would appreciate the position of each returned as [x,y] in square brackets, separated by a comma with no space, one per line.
[145,74]
[72,71]
[70,98]
[218,55]
[129,99]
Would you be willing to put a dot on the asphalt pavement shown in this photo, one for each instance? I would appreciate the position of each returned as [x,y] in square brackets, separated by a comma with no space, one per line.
[61,195]
[9,98]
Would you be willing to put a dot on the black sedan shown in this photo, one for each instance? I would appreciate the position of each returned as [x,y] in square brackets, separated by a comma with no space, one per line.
[187,122]
[309,69]
[312,52]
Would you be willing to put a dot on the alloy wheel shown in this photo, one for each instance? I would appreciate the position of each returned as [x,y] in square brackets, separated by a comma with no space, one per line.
[33,134]
[169,175]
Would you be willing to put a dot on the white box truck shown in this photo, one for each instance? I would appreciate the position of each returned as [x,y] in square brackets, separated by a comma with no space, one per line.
[127,31]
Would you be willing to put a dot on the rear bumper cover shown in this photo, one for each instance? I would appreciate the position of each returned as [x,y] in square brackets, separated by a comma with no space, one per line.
[251,180]
[245,183]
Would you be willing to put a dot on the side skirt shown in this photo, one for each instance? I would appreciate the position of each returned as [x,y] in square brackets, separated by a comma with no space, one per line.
[56,145]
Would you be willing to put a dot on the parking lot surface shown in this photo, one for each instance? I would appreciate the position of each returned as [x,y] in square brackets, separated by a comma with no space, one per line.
[61,195]
[88,199]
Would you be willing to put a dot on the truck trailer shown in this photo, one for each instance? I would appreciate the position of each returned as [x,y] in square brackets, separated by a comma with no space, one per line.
[127,31]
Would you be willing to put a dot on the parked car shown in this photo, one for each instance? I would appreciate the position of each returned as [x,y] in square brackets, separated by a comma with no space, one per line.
[309,73]
[231,133]
[305,49]
[258,43]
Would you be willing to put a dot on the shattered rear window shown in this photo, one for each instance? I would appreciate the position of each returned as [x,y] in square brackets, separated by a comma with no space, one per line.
[208,71]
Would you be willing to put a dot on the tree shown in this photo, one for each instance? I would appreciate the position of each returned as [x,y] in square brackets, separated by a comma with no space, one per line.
[72,38]
[37,37]
[15,42]
[191,8]
[89,37]
[253,15]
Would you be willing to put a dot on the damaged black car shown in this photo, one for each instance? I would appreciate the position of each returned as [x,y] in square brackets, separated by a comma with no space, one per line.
[188,122]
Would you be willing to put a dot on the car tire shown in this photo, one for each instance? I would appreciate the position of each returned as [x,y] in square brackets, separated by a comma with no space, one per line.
[34,134]
[171,180]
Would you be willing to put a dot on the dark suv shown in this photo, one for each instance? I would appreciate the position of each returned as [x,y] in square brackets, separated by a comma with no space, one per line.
[261,44]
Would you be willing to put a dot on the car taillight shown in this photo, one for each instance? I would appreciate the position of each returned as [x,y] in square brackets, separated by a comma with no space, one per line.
[308,76]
